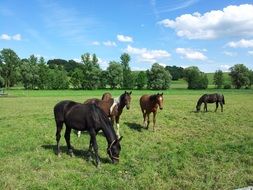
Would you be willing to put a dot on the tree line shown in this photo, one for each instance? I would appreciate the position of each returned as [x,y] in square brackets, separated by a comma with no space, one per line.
[36,73]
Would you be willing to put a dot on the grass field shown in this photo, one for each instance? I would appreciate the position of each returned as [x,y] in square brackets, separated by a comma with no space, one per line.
[187,151]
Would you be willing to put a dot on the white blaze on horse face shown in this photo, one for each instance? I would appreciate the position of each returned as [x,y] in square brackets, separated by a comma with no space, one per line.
[160,101]
[79,133]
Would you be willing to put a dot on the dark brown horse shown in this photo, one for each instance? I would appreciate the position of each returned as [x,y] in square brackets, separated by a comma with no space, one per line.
[211,98]
[113,107]
[150,103]
[85,117]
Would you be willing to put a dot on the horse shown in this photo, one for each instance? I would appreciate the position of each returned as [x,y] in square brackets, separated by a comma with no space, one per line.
[113,107]
[85,117]
[106,96]
[211,98]
[150,103]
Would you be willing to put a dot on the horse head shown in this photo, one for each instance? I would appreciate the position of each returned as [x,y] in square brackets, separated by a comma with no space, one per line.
[159,99]
[114,149]
[126,99]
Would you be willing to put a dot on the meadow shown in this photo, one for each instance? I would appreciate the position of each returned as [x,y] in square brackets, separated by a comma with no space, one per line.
[188,150]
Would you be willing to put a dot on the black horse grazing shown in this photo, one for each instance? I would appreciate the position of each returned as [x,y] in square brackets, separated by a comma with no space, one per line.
[85,117]
[211,98]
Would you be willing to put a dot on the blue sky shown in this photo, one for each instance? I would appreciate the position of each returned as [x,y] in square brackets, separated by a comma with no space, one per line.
[211,35]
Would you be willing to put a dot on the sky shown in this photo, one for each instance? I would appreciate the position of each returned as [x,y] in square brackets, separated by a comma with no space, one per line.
[212,35]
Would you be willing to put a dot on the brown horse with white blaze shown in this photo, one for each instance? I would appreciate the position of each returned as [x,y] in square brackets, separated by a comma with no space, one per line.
[150,103]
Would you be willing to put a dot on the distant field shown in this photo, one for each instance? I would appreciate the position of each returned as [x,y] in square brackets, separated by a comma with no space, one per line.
[188,150]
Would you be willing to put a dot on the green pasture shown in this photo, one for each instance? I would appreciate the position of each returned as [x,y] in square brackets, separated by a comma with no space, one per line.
[187,151]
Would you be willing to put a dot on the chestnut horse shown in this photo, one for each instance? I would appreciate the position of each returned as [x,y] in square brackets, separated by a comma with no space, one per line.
[106,96]
[150,103]
[113,107]
[211,98]
[89,118]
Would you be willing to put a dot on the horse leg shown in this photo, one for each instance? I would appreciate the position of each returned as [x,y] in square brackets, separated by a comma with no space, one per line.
[67,138]
[90,151]
[148,120]
[154,120]
[217,105]
[144,118]
[221,105]
[117,126]
[205,107]
[59,125]
[95,146]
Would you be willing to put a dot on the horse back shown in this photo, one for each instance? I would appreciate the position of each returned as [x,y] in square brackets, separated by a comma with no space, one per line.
[86,116]
[61,108]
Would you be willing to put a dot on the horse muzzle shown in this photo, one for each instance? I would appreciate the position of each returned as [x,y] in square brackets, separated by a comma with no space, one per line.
[115,161]
[161,108]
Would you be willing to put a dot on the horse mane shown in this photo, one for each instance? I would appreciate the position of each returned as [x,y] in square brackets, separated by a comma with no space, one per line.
[153,97]
[101,119]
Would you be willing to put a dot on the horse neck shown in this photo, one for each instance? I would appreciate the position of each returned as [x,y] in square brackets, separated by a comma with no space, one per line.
[121,105]
[109,133]
[200,101]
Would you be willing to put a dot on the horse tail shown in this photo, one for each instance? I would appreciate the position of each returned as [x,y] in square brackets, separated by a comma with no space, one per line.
[223,99]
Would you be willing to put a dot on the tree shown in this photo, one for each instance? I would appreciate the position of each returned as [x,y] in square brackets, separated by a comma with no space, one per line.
[141,80]
[218,78]
[195,78]
[158,77]
[76,78]
[115,74]
[43,74]
[91,71]
[9,61]
[239,74]
[58,79]
[176,72]
[103,79]
[1,78]
[128,82]
[251,77]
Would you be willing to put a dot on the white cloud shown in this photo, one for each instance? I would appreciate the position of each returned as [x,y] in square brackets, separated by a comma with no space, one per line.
[5,37]
[96,43]
[225,67]
[16,37]
[250,52]
[110,44]
[191,54]
[231,21]
[231,54]
[123,38]
[145,55]
[241,44]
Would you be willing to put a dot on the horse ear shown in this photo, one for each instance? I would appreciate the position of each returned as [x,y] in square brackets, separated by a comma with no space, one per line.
[162,94]
[130,92]
[120,138]
[125,92]
[157,93]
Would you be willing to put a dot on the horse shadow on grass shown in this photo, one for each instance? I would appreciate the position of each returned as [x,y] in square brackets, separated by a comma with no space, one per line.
[77,153]
[134,126]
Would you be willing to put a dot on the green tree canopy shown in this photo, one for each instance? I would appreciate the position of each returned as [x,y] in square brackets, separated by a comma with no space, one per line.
[128,78]
[158,77]
[115,74]
[195,78]
[218,78]
[176,72]
[141,80]
[239,74]
[9,61]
